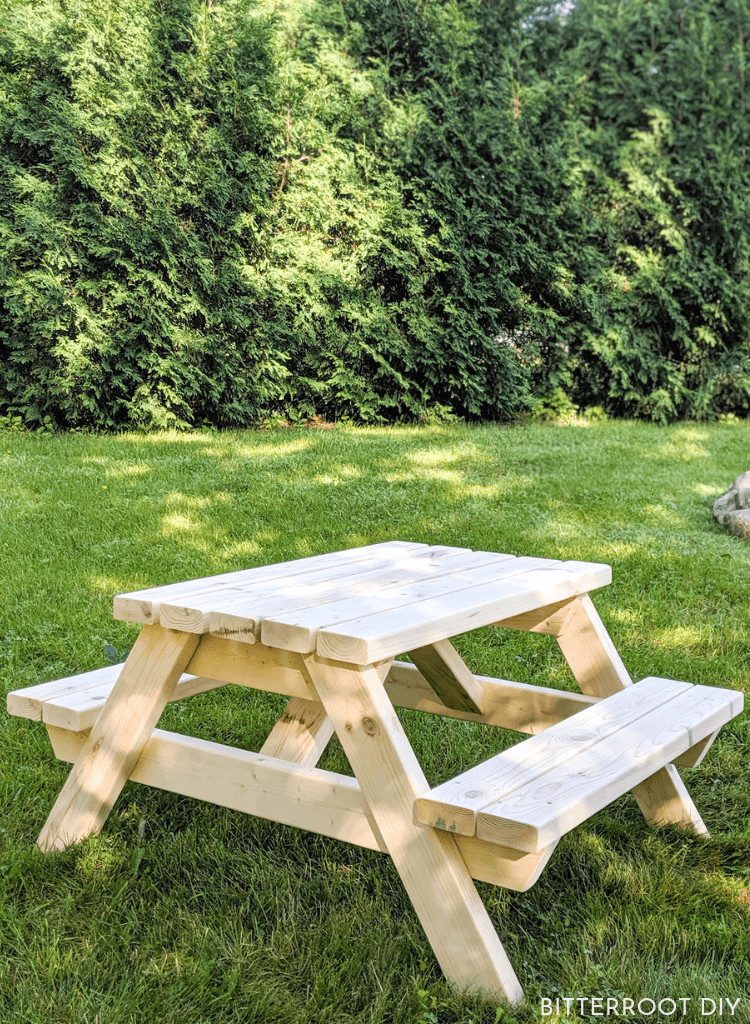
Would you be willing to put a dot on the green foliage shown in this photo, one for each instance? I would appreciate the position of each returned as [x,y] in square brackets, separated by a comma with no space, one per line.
[135,149]
[658,95]
[216,212]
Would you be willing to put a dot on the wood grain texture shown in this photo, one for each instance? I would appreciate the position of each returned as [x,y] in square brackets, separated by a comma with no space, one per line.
[77,703]
[252,600]
[455,804]
[547,619]
[599,670]
[693,757]
[301,734]
[542,810]
[432,618]
[587,648]
[253,665]
[144,605]
[241,617]
[429,862]
[146,682]
[445,671]
[509,705]
[298,631]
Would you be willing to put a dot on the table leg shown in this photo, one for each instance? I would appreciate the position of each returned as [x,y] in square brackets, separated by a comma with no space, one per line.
[429,863]
[123,728]
[301,734]
[598,670]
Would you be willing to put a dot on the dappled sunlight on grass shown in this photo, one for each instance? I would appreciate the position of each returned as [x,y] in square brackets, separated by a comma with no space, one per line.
[178,521]
[706,491]
[122,472]
[195,501]
[684,443]
[663,512]
[683,638]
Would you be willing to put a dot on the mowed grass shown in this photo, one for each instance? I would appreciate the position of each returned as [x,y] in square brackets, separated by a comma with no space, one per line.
[184,912]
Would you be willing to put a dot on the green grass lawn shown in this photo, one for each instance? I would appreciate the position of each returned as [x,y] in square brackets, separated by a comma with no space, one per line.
[187,913]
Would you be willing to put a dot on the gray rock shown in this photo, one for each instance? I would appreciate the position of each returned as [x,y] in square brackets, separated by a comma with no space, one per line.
[738,523]
[733,508]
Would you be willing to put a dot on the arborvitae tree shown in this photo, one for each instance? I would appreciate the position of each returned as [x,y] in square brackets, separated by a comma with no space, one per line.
[212,209]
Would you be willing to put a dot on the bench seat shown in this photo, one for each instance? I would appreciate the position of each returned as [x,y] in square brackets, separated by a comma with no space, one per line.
[75,702]
[533,793]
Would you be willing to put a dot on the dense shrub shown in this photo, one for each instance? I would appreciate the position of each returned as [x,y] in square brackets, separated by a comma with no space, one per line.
[135,152]
[215,209]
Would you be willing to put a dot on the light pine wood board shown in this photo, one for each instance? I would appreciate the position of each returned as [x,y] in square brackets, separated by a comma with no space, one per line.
[291,794]
[454,805]
[242,610]
[143,688]
[143,605]
[301,734]
[599,671]
[368,639]
[78,709]
[445,671]
[299,631]
[693,757]
[28,702]
[548,619]
[190,611]
[429,862]
[541,811]
[588,649]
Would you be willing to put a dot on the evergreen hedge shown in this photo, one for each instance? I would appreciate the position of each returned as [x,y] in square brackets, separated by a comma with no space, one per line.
[213,210]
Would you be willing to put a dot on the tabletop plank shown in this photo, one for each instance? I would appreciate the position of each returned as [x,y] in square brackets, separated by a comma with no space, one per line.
[298,631]
[244,621]
[143,605]
[429,617]
[250,602]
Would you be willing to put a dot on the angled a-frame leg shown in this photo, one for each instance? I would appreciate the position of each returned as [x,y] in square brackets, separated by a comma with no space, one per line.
[429,863]
[127,720]
[599,671]
[301,734]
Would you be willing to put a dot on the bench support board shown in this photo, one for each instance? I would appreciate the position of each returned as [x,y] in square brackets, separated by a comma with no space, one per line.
[291,794]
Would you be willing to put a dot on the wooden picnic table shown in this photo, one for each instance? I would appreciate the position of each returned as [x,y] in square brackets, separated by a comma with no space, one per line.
[324,631]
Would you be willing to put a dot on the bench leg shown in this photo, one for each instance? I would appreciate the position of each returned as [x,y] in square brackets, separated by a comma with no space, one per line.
[123,728]
[434,874]
[599,671]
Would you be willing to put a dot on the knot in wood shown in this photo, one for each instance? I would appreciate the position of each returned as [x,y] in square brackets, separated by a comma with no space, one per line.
[348,726]
[370,726]
[471,793]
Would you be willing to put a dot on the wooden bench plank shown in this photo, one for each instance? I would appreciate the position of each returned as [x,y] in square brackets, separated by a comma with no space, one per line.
[454,805]
[539,812]
[298,631]
[245,607]
[429,617]
[143,605]
[75,702]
